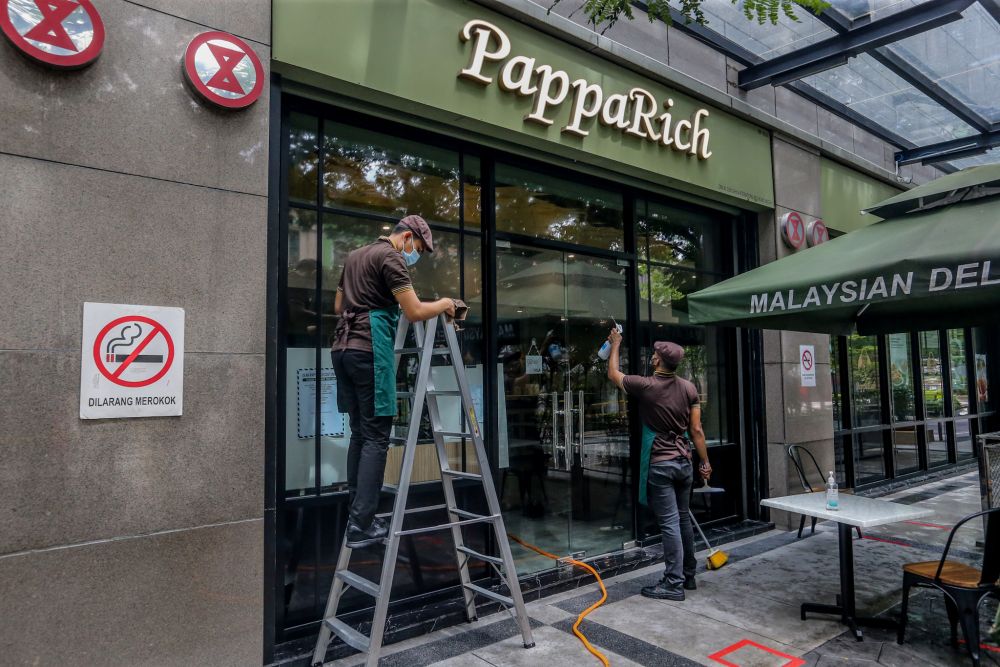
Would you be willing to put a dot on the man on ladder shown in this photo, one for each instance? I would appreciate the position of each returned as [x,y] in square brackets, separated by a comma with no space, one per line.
[374,285]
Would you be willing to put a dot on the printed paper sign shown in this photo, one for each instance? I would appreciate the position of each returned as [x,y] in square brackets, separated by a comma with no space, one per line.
[331,420]
[807,365]
[132,361]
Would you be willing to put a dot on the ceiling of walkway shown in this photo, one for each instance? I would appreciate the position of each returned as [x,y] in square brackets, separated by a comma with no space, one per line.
[923,75]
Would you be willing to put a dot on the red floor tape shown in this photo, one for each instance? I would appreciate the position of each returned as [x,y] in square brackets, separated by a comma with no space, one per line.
[718,657]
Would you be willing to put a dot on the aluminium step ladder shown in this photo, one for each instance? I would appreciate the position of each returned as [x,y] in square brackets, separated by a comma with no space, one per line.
[425,334]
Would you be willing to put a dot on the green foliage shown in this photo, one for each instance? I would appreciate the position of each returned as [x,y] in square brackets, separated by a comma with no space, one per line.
[608,12]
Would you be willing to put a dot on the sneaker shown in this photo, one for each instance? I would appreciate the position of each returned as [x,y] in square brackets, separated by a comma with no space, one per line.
[690,584]
[356,537]
[661,591]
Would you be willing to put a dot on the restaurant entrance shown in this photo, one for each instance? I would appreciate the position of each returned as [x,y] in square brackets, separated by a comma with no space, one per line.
[548,259]
[566,482]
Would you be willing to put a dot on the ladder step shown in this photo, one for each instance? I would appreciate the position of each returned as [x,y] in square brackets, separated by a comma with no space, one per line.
[454,434]
[415,510]
[462,475]
[444,526]
[418,350]
[475,554]
[479,590]
[351,637]
[359,582]
[444,392]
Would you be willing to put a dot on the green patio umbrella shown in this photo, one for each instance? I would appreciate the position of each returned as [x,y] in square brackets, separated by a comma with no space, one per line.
[935,263]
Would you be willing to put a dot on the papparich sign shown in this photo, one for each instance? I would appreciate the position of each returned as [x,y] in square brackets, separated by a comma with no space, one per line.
[636,112]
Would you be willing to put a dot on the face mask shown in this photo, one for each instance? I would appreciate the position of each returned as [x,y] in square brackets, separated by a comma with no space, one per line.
[412,256]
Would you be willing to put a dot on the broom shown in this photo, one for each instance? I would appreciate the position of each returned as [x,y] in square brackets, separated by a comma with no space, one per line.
[716,557]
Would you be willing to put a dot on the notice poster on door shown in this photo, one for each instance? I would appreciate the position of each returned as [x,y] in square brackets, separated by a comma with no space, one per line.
[331,420]
[807,365]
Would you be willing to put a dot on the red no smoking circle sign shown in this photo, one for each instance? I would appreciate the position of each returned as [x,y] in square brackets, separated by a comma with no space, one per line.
[807,360]
[119,347]
[132,361]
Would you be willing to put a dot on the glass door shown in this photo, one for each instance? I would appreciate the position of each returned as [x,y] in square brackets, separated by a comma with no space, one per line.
[564,448]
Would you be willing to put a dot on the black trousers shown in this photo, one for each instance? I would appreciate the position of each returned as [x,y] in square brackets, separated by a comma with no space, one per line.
[366,455]
[669,494]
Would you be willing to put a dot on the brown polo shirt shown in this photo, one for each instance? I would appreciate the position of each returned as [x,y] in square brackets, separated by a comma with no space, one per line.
[665,404]
[372,277]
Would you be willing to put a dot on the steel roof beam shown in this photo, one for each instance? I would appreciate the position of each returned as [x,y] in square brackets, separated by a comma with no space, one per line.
[836,50]
[950,150]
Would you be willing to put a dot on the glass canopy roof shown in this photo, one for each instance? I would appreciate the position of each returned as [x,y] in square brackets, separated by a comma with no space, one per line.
[919,79]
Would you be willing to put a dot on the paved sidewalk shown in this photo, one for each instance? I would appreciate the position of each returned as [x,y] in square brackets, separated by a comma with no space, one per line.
[746,614]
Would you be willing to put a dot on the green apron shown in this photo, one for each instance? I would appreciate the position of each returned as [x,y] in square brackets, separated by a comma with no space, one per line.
[383,322]
[648,435]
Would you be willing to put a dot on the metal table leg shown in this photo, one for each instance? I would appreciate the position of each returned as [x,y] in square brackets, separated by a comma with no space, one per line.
[846,604]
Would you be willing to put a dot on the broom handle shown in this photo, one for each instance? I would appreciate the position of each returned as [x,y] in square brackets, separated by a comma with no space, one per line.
[700,532]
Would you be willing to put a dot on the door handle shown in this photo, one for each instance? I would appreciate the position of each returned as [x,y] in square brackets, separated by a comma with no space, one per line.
[580,416]
[555,429]
[568,429]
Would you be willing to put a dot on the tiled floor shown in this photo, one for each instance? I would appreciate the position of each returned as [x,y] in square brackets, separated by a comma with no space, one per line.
[746,614]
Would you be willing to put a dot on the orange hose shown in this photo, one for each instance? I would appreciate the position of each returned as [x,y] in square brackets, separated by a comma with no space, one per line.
[579,619]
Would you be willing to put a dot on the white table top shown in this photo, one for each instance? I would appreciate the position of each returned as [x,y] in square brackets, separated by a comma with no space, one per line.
[854,510]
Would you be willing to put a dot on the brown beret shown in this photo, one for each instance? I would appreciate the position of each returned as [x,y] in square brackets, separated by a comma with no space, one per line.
[670,353]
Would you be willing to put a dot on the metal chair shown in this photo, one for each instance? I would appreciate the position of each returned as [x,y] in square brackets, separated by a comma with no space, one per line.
[795,453]
[964,586]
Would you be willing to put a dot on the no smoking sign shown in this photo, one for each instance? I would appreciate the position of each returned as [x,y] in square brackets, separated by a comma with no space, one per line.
[132,361]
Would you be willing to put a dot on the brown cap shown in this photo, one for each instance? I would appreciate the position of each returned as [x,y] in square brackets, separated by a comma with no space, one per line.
[670,353]
[420,228]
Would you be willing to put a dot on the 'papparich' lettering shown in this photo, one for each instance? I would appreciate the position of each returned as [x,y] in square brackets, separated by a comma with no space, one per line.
[636,112]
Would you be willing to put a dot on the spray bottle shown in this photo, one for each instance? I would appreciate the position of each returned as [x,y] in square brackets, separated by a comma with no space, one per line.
[605,350]
[832,493]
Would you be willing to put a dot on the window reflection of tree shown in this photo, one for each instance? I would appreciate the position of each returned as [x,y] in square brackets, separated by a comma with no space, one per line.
[359,172]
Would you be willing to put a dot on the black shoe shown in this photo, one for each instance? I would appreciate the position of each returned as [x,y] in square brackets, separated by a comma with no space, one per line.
[663,592]
[375,533]
[690,584]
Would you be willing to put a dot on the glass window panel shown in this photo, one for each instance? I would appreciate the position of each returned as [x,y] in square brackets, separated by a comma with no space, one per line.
[936,433]
[989,157]
[931,371]
[369,171]
[549,207]
[962,58]
[660,288]
[301,339]
[303,151]
[871,89]
[838,417]
[679,237]
[959,372]
[473,188]
[905,443]
[980,347]
[765,40]
[869,457]
[901,378]
[704,365]
[963,439]
[877,9]
[866,402]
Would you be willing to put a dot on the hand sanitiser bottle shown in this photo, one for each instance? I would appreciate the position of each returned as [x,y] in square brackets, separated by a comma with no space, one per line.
[605,350]
[832,493]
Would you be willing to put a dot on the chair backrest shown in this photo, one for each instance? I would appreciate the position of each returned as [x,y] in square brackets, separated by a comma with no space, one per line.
[798,455]
[991,554]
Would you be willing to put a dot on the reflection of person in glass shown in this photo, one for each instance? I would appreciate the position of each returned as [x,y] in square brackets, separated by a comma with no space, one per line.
[669,408]
[374,286]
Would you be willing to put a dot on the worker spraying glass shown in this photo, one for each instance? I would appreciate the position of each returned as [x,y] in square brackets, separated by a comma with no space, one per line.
[669,408]
[374,286]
